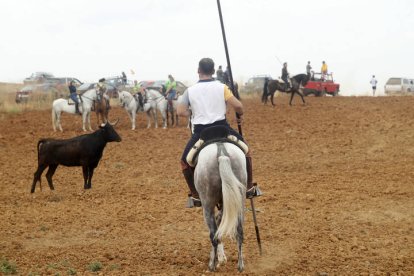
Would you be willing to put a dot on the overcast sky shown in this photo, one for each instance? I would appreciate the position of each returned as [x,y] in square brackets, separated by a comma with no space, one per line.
[93,39]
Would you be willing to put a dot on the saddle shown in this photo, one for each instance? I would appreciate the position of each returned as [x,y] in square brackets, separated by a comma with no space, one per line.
[212,135]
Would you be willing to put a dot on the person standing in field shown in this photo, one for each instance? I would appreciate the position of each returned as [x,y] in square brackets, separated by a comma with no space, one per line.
[308,70]
[324,70]
[373,85]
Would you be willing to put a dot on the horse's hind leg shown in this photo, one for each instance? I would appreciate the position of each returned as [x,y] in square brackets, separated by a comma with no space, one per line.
[212,226]
[49,174]
[291,97]
[271,98]
[221,256]
[239,239]
[301,95]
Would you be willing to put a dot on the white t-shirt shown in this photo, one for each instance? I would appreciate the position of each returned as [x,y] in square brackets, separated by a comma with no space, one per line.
[374,82]
[207,99]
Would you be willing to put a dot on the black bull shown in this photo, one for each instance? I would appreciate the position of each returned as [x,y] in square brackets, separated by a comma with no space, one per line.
[85,150]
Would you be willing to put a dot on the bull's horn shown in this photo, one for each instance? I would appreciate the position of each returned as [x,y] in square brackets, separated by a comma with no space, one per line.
[114,124]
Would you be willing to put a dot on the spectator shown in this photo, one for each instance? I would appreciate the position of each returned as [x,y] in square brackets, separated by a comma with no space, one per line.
[124,78]
[308,70]
[324,70]
[374,85]
[220,74]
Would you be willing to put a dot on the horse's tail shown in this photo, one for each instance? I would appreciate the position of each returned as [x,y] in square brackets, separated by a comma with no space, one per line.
[233,198]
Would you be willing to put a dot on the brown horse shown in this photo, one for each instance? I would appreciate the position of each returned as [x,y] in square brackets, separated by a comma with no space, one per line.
[298,82]
[101,106]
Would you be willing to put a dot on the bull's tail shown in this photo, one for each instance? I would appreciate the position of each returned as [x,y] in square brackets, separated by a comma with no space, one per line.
[37,177]
[233,199]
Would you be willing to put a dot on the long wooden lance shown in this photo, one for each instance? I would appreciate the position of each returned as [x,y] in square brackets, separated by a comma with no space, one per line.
[236,94]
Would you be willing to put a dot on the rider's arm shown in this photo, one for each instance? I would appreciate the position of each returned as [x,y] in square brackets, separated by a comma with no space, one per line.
[232,101]
[183,104]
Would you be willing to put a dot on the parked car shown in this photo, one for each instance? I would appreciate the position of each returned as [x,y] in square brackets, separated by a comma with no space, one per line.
[38,77]
[160,85]
[399,85]
[255,84]
[110,89]
[320,87]
[54,87]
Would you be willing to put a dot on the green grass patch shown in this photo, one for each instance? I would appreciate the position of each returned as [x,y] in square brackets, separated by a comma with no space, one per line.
[7,268]
[95,266]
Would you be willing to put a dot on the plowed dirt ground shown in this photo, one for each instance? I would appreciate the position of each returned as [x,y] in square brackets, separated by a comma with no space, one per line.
[337,175]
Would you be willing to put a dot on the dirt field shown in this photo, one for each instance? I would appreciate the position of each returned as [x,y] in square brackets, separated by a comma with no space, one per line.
[337,175]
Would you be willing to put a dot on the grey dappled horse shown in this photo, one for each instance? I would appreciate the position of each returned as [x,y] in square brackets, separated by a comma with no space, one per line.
[298,82]
[220,178]
[131,105]
[85,106]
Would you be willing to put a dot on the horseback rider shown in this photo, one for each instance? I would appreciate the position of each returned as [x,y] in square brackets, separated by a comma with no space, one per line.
[101,87]
[170,92]
[137,89]
[208,99]
[285,76]
[74,96]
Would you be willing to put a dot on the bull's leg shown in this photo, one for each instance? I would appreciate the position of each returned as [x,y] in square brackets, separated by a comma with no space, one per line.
[90,174]
[85,176]
[49,174]
[38,176]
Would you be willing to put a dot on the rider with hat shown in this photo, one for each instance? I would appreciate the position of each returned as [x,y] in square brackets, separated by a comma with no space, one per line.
[208,99]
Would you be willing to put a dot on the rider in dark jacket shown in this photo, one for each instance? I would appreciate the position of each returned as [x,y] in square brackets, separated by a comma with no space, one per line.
[285,76]
[74,96]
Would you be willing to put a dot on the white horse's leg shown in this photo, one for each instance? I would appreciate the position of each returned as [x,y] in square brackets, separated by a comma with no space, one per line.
[84,120]
[134,115]
[58,120]
[164,117]
[155,116]
[148,118]
[89,121]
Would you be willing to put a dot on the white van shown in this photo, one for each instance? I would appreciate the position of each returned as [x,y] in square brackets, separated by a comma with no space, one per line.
[399,85]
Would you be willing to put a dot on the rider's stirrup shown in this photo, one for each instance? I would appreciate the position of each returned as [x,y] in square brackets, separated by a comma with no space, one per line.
[193,202]
[253,191]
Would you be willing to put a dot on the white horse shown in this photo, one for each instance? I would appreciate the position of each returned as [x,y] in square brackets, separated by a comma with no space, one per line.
[156,101]
[128,101]
[220,178]
[85,106]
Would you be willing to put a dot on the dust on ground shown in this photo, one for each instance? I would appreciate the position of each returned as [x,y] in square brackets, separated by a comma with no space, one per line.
[337,176]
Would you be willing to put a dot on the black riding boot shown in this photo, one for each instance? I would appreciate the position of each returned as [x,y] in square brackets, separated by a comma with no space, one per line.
[77,109]
[107,105]
[193,197]
[252,188]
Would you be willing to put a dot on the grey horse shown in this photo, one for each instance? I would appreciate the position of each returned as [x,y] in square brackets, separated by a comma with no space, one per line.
[220,179]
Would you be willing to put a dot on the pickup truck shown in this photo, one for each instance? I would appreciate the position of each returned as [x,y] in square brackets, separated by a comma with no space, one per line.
[320,85]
